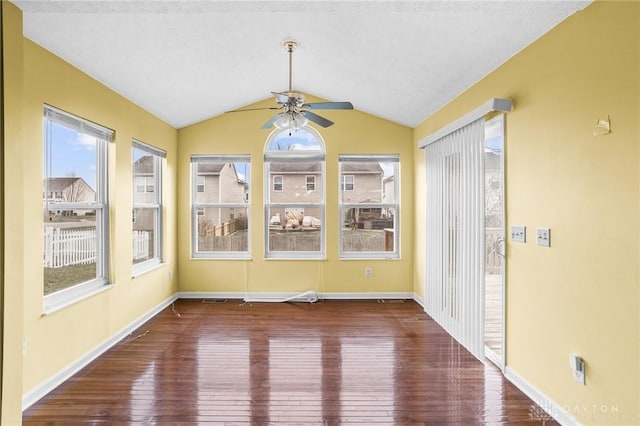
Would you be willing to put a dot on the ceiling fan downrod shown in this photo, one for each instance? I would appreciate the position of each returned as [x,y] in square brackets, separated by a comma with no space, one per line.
[290,46]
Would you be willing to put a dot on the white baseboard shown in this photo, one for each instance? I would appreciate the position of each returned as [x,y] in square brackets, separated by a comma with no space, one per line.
[57,379]
[279,296]
[554,410]
[419,300]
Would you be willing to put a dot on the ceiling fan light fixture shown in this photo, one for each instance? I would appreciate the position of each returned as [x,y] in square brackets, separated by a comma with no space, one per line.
[291,120]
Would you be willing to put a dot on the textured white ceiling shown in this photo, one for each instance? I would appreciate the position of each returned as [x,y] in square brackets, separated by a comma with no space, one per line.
[187,60]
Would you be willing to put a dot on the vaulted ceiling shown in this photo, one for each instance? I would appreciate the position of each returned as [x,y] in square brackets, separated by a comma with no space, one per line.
[188,60]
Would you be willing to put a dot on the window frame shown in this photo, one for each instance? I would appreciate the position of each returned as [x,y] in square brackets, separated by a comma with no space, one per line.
[104,136]
[279,178]
[343,183]
[201,187]
[156,205]
[313,183]
[395,205]
[199,209]
[302,155]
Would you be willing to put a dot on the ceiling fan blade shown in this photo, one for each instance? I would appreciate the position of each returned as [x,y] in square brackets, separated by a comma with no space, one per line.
[269,123]
[329,105]
[317,119]
[282,98]
[253,109]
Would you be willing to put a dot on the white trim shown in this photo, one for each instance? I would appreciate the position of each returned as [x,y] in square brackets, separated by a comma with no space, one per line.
[419,300]
[551,407]
[277,296]
[494,358]
[71,296]
[146,266]
[495,104]
[35,394]
[367,296]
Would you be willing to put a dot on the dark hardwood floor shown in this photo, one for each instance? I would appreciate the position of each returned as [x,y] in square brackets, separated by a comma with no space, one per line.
[331,362]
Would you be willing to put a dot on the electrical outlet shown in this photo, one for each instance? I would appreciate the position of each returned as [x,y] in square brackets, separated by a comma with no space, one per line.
[368,272]
[544,237]
[519,234]
[170,275]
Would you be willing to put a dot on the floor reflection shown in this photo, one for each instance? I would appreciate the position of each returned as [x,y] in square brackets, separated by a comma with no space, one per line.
[326,363]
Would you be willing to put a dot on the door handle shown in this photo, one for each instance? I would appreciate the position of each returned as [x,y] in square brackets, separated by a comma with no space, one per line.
[499,247]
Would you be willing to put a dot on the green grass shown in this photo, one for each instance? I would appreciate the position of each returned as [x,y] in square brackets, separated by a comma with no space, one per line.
[56,279]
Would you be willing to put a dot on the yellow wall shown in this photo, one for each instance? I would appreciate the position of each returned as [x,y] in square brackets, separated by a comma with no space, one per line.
[54,341]
[13,250]
[240,133]
[582,294]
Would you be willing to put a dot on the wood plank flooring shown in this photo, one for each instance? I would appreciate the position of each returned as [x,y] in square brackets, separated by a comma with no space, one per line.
[493,313]
[327,363]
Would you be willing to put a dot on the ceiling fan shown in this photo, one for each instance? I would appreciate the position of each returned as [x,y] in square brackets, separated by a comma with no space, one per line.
[295,113]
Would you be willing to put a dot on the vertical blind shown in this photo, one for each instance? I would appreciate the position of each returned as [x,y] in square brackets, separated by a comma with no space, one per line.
[455,234]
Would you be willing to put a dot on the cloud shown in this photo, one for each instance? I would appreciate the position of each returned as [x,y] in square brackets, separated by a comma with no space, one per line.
[83,141]
[303,147]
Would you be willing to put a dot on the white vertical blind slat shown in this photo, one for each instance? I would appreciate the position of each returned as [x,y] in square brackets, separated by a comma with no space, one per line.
[454,225]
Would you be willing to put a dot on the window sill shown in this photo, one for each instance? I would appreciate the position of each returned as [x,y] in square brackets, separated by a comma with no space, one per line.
[296,258]
[221,257]
[143,268]
[74,298]
[371,257]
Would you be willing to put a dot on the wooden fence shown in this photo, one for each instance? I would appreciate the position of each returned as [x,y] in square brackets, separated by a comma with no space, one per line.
[363,241]
[78,246]
[493,265]
[65,247]
[140,245]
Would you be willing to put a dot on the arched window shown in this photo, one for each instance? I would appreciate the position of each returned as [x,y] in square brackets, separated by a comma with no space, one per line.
[294,194]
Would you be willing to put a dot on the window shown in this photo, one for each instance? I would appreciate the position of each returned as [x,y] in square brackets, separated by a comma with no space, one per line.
[76,255]
[369,206]
[294,213]
[220,221]
[277,183]
[147,206]
[346,183]
[311,183]
[144,184]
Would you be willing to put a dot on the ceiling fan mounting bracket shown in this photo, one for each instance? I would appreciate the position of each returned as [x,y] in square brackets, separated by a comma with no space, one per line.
[290,46]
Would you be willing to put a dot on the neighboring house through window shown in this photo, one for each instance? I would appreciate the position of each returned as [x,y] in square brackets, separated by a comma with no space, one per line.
[76,237]
[346,182]
[220,218]
[369,206]
[294,210]
[147,206]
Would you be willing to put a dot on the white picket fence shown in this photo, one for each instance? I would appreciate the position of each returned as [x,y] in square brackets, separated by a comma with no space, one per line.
[77,246]
[140,245]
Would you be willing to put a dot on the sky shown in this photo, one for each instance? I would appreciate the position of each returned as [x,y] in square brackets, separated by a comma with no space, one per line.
[73,154]
[298,141]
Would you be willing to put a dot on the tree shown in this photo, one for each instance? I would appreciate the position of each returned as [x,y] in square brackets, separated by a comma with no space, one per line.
[75,192]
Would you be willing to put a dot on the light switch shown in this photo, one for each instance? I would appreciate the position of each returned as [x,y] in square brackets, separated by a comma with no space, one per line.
[518,233]
[544,237]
